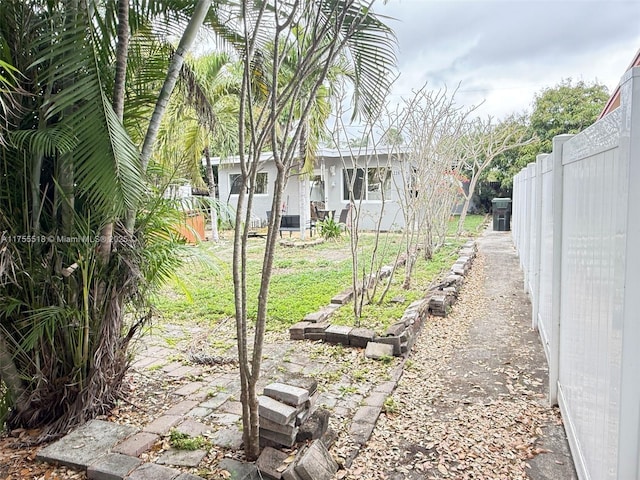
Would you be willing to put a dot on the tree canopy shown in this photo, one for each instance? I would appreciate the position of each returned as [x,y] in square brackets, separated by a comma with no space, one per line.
[567,107]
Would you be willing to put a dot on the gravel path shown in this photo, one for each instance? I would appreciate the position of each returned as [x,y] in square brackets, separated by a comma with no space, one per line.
[472,403]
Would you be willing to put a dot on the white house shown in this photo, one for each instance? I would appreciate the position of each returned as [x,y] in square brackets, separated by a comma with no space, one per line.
[377,174]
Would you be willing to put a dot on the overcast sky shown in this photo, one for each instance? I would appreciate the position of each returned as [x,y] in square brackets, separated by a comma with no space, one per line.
[505,51]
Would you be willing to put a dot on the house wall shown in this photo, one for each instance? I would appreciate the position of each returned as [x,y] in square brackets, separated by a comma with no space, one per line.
[374,214]
[261,202]
[583,269]
[331,169]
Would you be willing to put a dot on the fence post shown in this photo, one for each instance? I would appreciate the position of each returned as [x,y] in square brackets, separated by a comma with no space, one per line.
[629,440]
[516,211]
[537,219]
[556,272]
[529,225]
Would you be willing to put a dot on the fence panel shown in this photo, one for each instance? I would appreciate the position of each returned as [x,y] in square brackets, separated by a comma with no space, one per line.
[543,313]
[577,231]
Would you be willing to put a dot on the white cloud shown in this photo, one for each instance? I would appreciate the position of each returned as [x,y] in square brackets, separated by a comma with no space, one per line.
[504,52]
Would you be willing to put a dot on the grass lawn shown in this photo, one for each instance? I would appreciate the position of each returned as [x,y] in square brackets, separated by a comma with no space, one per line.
[304,279]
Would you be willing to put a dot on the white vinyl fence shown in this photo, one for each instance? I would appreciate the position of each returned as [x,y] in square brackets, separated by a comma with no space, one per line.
[576,226]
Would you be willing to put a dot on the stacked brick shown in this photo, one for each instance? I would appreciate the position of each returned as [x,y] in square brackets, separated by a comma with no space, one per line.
[400,336]
[283,408]
[444,295]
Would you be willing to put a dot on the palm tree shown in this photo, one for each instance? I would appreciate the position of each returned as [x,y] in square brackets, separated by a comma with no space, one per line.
[202,121]
[72,170]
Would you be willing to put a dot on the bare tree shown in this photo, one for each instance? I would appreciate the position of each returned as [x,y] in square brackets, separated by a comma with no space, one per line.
[431,123]
[481,143]
[309,36]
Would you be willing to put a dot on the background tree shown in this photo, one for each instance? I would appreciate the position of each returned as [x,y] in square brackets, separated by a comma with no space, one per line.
[201,122]
[393,137]
[568,107]
[479,146]
[330,27]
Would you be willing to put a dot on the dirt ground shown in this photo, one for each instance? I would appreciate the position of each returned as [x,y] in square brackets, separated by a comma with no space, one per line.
[472,403]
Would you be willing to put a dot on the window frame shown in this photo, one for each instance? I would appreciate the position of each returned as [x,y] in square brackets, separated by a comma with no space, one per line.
[365,188]
[259,183]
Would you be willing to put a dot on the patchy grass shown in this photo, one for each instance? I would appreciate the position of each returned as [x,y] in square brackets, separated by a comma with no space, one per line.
[183,441]
[303,280]
[379,313]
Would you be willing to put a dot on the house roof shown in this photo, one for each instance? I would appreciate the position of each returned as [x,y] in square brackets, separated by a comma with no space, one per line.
[614,99]
[321,153]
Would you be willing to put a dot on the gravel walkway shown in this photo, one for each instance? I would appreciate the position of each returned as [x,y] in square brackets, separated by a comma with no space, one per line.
[472,403]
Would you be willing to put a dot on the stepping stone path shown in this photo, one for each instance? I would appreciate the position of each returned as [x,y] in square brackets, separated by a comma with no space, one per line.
[110,451]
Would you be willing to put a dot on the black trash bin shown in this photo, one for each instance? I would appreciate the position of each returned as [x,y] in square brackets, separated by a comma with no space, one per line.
[501,214]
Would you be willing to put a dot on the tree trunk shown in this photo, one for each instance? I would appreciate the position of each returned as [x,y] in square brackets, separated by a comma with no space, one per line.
[10,376]
[119,85]
[212,197]
[467,202]
[186,41]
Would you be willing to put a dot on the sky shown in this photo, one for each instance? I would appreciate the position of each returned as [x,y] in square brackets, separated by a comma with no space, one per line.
[503,52]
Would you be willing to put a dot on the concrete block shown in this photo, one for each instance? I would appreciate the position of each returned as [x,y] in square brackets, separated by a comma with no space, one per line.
[317,328]
[316,463]
[182,458]
[199,412]
[297,330]
[394,341]
[136,444]
[275,411]
[314,427]
[395,329]
[182,407]
[230,437]
[188,476]
[189,388]
[153,471]
[271,462]
[225,418]
[279,438]
[359,337]
[290,473]
[216,400]
[113,466]
[239,470]
[377,351]
[287,429]
[163,424]
[310,384]
[192,428]
[376,399]
[361,431]
[288,394]
[366,415]
[338,334]
[343,297]
[332,307]
[314,337]
[316,317]
[83,446]
[385,271]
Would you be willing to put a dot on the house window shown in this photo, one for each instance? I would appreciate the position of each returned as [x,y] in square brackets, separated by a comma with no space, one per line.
[368,184]
[235,180]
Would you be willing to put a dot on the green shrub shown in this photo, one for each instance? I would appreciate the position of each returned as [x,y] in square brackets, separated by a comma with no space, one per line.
[329,228]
